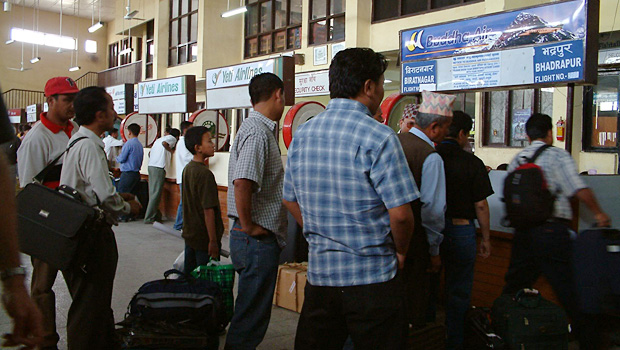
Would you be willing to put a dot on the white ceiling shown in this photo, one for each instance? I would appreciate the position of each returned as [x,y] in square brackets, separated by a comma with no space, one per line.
[83,7]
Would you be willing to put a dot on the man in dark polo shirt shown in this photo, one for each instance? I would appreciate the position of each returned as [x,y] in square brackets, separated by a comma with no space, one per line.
[467,187]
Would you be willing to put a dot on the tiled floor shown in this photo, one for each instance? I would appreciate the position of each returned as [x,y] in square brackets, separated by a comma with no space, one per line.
[144,254]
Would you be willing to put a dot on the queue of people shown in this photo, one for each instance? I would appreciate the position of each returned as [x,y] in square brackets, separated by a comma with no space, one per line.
[394,210]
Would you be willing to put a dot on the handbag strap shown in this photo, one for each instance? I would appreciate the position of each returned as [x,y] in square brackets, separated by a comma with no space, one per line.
[41,175]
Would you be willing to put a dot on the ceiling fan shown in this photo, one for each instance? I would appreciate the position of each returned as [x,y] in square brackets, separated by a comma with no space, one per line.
[131,14]
[21,68]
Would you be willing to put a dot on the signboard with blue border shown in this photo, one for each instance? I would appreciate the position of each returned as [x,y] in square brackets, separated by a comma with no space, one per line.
[418,74]
[545,45]
[558,62]
[553,22]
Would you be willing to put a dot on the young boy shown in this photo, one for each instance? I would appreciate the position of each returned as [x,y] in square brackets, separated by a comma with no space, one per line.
[202,218]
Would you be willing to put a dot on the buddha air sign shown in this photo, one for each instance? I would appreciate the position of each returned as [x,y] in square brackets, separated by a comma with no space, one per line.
[548,44]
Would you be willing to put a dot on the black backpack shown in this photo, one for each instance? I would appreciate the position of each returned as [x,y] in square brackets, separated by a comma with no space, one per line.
[528,200]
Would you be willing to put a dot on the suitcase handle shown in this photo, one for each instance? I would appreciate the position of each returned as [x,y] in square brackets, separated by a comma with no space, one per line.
[529,298]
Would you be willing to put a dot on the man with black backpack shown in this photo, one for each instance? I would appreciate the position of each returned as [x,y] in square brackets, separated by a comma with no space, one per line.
[540,183]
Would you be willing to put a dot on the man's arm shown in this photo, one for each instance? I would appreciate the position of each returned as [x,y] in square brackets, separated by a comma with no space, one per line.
[482,214]
[433,197]
[122,158]
[243,201]
[586,196]
[401,223]
[27,327]
[167,146]
[214,248]
[295,210]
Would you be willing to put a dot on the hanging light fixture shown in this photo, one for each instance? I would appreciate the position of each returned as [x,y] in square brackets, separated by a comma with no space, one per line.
[60,31]
[95,26]
[35,27]
[238,10]
[76,14]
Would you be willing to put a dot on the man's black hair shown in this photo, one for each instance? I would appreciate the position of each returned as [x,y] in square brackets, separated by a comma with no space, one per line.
[113,130]
[175,132]
[351,68]
[88,102]
[460,121]
[134,129]
[184,126]
[262,86]
[193,137]
[538,126]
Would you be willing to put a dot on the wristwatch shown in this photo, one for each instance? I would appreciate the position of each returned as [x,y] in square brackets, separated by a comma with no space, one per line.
[12,271]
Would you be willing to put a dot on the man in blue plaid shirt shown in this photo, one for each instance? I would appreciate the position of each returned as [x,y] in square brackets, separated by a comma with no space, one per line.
[348,185]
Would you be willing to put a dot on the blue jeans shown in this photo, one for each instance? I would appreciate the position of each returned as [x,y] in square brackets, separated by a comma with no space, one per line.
[194,258]
[128,181]
[256,262]
[178,224]
[458,254]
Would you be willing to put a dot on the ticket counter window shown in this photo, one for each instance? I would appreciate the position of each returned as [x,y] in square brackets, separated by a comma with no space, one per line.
[601,113]
[506,112]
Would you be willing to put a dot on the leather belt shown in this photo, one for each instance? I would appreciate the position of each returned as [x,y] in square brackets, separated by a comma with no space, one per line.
[460,222]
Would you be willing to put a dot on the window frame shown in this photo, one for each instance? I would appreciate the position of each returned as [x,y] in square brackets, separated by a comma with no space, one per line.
[588,100]
[187,46]
[328,19]
[149,57]
[486,114]
[115,59]
[428,10]
[271,31]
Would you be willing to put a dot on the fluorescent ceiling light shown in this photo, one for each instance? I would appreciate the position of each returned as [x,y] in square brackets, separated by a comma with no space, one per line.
[131,15]
[73,69]
[90,46]
[387,81]
[95,27]
[233,12]
[10,41]
[40,38]
[7,6]
[35,60]
[126,51]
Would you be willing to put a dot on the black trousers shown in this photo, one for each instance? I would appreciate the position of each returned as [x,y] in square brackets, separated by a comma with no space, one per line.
[372,315]
[90,324]
[548,250]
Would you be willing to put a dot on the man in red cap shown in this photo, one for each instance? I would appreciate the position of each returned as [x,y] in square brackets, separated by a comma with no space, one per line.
[47,140]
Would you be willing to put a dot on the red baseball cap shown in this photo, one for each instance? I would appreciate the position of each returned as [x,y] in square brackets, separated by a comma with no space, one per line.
[61,86]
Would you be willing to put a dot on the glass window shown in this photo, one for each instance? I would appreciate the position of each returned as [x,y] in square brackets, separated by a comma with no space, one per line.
[389,9]
[506,112]
[601,113]
[183,31]
[319,9]
[272,26]
[327,22]
[150,48]
[280,12]
[265,16]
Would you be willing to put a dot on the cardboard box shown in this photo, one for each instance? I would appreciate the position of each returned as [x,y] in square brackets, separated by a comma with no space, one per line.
[301,285]
[287,293]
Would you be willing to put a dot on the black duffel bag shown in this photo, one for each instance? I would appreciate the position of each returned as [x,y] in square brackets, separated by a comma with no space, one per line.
[55,225]
[188,302]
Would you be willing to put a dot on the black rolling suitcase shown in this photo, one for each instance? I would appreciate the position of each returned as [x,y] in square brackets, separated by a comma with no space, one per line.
[597,267]
[527,321]
[479,334]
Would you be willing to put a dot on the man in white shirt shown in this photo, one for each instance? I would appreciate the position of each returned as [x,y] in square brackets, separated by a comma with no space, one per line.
[90,322]
[160,155]
[181,157]
[111,147]
[47,140]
